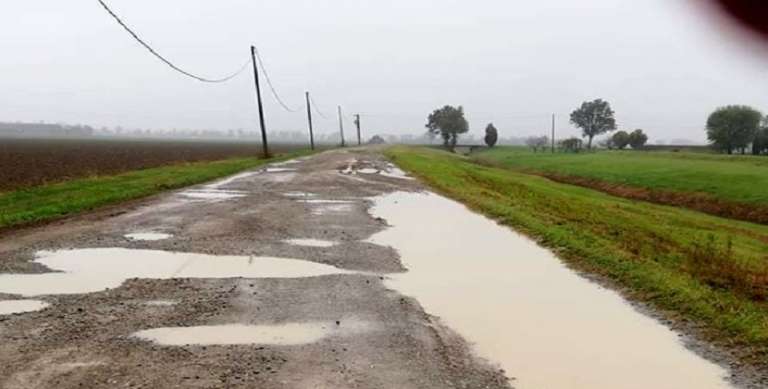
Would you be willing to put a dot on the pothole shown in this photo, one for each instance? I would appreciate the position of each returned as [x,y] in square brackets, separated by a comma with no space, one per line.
[212,194]
[9,307]
[290,334]
[148,236]
[93,270]
[311,242]
[522,308]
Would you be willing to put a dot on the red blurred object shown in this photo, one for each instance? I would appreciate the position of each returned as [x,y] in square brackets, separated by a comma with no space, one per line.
[752,14]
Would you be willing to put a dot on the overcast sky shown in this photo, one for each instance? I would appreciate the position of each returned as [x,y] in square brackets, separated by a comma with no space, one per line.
[662,64]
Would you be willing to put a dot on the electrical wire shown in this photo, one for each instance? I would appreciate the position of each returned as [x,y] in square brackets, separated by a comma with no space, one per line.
[166,61]
[317,110]
[271,86]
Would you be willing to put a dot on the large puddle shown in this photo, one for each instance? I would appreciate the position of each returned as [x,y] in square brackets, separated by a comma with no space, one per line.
[8,307]
[93,270]
[543,324]
[289,334]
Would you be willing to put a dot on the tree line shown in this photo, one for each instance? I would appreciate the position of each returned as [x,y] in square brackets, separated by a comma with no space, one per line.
[737,128]
[593,117]
[733,128]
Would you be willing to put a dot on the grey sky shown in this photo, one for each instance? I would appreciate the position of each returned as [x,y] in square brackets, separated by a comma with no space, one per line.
[663,64]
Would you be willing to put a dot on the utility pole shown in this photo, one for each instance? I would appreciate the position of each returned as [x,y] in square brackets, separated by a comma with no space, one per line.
[264,145]
[357,123]
[553,133]
[309,120]
[341,128]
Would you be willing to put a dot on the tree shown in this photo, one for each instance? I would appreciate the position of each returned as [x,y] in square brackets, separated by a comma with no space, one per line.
[733,127]
[620,139]
[448,122]
[638,139]
[491,135]
[594,118]
[760,143]
[537,142]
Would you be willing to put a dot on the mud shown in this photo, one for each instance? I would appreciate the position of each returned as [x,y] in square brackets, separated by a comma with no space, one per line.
[540,321]
[87,339]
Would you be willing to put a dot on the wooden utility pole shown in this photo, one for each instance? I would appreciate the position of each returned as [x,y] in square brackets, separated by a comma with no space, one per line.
[341,128]
[264,145]
[357,124]
[553,133]
[309,120]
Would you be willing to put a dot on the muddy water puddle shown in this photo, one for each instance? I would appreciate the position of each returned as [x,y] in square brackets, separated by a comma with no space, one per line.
[546,326]
[211,194]
[289,334]
[311,242]
[9,307]
[93,270]
[148,236]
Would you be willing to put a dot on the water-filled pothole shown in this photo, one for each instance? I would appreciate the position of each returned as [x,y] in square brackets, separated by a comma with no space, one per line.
[289,334]
[212,194]
[8,307]
[148,236]
[395,172]
[522,308]
[311,242]
[93,270]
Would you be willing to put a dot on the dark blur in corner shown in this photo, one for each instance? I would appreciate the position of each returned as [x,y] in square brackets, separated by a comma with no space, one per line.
[749,14]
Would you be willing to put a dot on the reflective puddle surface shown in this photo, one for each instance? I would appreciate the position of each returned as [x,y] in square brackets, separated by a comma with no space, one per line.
[311,242]
[522,308]
[395,172]
[148,236]
[8,307]
[212,194]
[93,270]
[289,334]
[229,180]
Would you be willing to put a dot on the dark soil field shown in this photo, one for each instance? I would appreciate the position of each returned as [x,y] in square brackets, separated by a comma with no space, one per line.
[32,162]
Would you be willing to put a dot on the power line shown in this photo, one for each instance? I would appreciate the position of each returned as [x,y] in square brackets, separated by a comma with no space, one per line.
[317,110]
[166,61]
[271,86]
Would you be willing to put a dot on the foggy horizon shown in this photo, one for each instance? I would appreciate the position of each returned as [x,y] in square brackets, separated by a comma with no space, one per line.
[663,65]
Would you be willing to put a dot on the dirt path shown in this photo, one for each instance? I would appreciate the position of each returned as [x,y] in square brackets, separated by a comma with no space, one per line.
[327,321]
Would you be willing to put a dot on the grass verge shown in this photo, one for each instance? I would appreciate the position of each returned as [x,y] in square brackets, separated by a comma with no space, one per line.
[54,201]
[728,186]
[692,266]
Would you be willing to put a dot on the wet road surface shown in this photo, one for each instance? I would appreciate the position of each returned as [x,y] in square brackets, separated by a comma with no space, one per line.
[294,276]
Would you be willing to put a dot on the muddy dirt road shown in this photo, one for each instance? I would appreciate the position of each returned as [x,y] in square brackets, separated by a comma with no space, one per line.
[291,277]
[121,310]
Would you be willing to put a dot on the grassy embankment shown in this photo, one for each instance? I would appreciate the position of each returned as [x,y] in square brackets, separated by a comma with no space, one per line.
[53,201]
[722,185]
[697,267]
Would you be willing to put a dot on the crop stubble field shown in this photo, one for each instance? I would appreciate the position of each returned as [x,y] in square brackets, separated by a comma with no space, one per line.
[32,162]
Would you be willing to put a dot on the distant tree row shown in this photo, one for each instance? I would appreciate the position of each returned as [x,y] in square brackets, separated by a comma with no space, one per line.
[594,118]
[734,128]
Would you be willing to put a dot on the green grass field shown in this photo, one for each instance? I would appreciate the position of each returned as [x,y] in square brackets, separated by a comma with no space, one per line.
[741,179]
[53,201]
[710,270]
